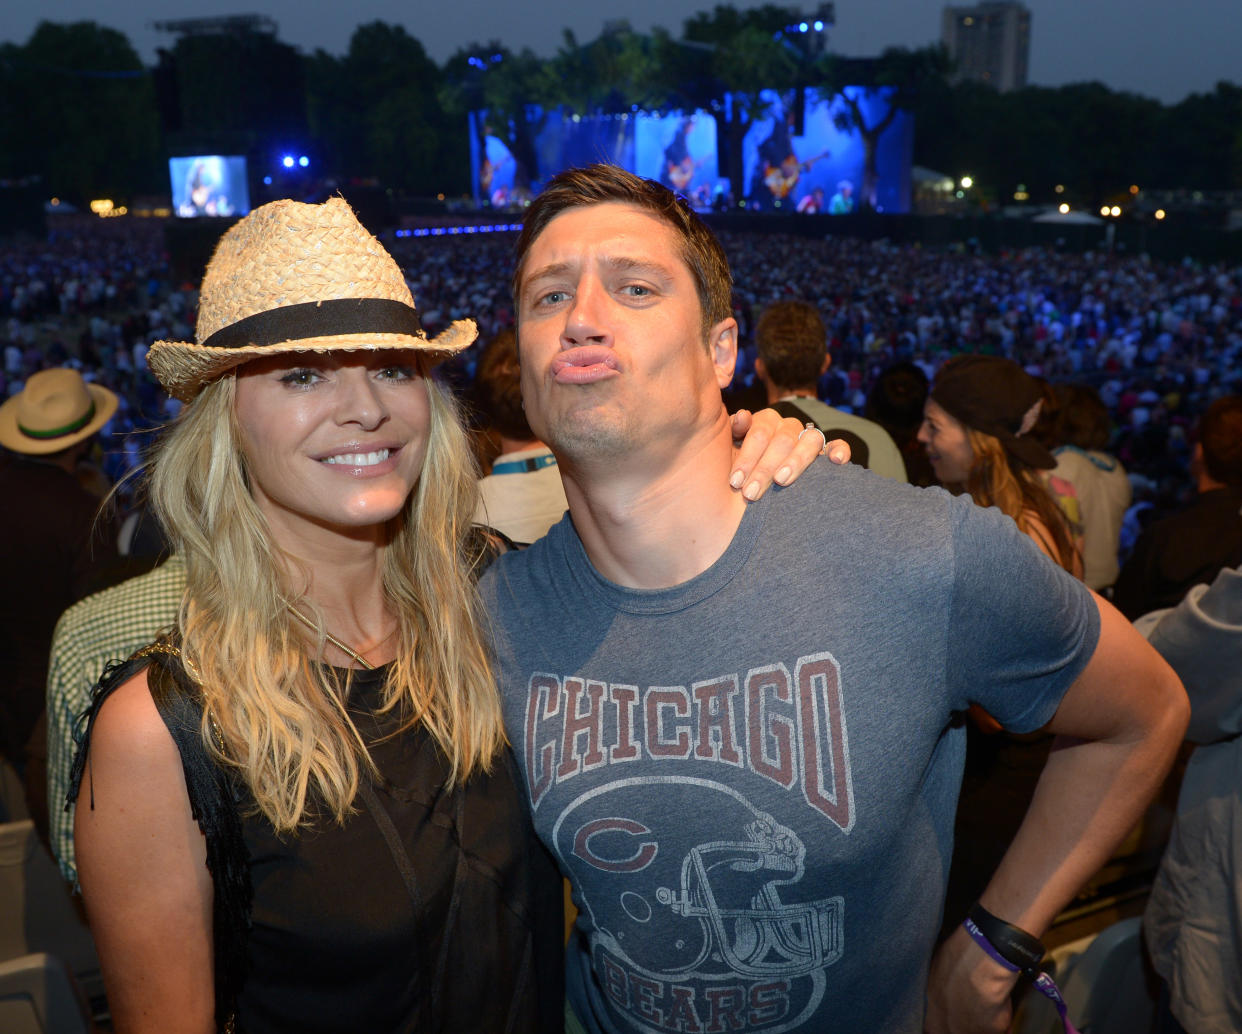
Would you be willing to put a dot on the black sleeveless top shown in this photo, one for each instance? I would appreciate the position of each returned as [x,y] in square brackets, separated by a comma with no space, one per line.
[428,910]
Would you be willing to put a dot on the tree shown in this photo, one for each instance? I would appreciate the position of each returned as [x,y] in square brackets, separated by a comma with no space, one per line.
[377,111]
[747,56]
[1200,141]
[80,110]
[610,74]
[262,95]
[896,79]
[515,90]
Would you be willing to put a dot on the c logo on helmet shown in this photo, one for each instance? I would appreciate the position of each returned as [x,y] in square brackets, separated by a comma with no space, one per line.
[596,830]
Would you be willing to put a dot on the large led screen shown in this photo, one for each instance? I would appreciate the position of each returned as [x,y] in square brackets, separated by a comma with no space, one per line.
[851,150]
[821,153]
[679,151]
[209,184]
[512,161]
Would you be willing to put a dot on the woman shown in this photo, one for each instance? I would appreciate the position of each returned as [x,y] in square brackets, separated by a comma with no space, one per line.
[976,425]
[976,429]
[301,813]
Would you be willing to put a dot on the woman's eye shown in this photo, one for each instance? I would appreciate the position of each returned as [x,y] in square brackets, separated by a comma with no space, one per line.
[398,373]
[299,378]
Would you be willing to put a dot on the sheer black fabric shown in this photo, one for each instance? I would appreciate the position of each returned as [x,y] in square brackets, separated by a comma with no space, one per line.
[427,910]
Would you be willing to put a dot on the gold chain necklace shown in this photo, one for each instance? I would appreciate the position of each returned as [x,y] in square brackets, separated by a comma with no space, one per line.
[349,651]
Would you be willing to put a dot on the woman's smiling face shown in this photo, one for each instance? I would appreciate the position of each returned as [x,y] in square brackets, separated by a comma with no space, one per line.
[947,444]
[334,440]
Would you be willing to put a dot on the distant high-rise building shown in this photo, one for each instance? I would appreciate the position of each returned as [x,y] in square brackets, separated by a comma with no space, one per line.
[990,41]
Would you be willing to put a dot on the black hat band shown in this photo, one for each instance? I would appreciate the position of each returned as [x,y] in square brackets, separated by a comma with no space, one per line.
[307,320]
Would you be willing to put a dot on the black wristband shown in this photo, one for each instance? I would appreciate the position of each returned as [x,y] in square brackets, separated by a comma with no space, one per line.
[1011,943]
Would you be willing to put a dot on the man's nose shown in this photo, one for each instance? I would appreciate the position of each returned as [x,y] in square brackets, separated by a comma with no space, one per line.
[586,321]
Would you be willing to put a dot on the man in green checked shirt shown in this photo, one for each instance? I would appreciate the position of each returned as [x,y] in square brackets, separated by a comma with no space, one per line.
[104,627]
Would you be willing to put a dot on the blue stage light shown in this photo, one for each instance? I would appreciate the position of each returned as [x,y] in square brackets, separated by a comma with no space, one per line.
[304,161]
[267,181]
[287,161]
[819,26]
[803,27]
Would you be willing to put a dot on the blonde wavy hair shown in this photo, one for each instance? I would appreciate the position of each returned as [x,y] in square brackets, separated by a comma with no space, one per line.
[998,479]
[270,711]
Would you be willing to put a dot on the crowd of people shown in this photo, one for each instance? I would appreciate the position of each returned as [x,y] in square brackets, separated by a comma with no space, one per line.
[1159,341]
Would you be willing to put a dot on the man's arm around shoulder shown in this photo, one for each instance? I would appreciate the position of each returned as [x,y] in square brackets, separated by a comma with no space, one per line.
[1118,729]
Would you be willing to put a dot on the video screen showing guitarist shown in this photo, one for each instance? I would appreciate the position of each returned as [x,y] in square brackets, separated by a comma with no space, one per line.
[495,172]
[679,165]
[779,167]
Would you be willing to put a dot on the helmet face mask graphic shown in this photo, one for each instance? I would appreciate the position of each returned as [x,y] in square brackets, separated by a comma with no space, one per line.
[732,888]
[671,895]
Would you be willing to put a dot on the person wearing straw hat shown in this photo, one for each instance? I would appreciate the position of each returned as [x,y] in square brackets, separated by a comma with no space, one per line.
[53,545]
[298,812]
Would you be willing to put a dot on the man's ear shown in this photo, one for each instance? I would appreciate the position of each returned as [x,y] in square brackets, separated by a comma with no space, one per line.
[722,347]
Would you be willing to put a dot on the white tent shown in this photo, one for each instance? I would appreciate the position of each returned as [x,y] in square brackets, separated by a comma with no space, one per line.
[1070,218]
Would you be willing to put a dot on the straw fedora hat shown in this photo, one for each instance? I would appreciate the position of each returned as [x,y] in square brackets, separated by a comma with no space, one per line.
[293,277]
[55,410]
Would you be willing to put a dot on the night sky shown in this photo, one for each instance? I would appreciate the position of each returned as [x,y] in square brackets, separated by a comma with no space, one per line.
[1151,47]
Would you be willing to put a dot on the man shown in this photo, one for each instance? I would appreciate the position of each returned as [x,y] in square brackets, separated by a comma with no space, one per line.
[1193,546]
[55,548]
[1193,921]
[103,628]
[813,202]
[842,202]
[739,727]
[793,355]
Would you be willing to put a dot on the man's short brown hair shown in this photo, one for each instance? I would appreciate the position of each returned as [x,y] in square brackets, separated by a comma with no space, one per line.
[792,343]
[1220,435]
[599,184]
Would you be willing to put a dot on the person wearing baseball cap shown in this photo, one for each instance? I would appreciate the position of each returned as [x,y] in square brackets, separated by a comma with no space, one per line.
[976,428]
[977,424]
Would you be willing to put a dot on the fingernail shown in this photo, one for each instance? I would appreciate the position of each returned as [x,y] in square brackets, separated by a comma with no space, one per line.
[735,481]
[782,475]
[752,491]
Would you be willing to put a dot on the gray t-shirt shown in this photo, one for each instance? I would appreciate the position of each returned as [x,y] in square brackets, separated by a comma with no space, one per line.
[750,778]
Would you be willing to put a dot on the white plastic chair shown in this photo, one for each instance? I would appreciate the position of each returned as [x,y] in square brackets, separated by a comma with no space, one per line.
[38,913]
[1104,983]
[39,996]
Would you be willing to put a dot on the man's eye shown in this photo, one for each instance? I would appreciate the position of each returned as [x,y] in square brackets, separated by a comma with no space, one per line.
[636,290]
[553,298]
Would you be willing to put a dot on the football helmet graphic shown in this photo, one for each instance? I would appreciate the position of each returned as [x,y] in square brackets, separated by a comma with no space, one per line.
[686,877]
